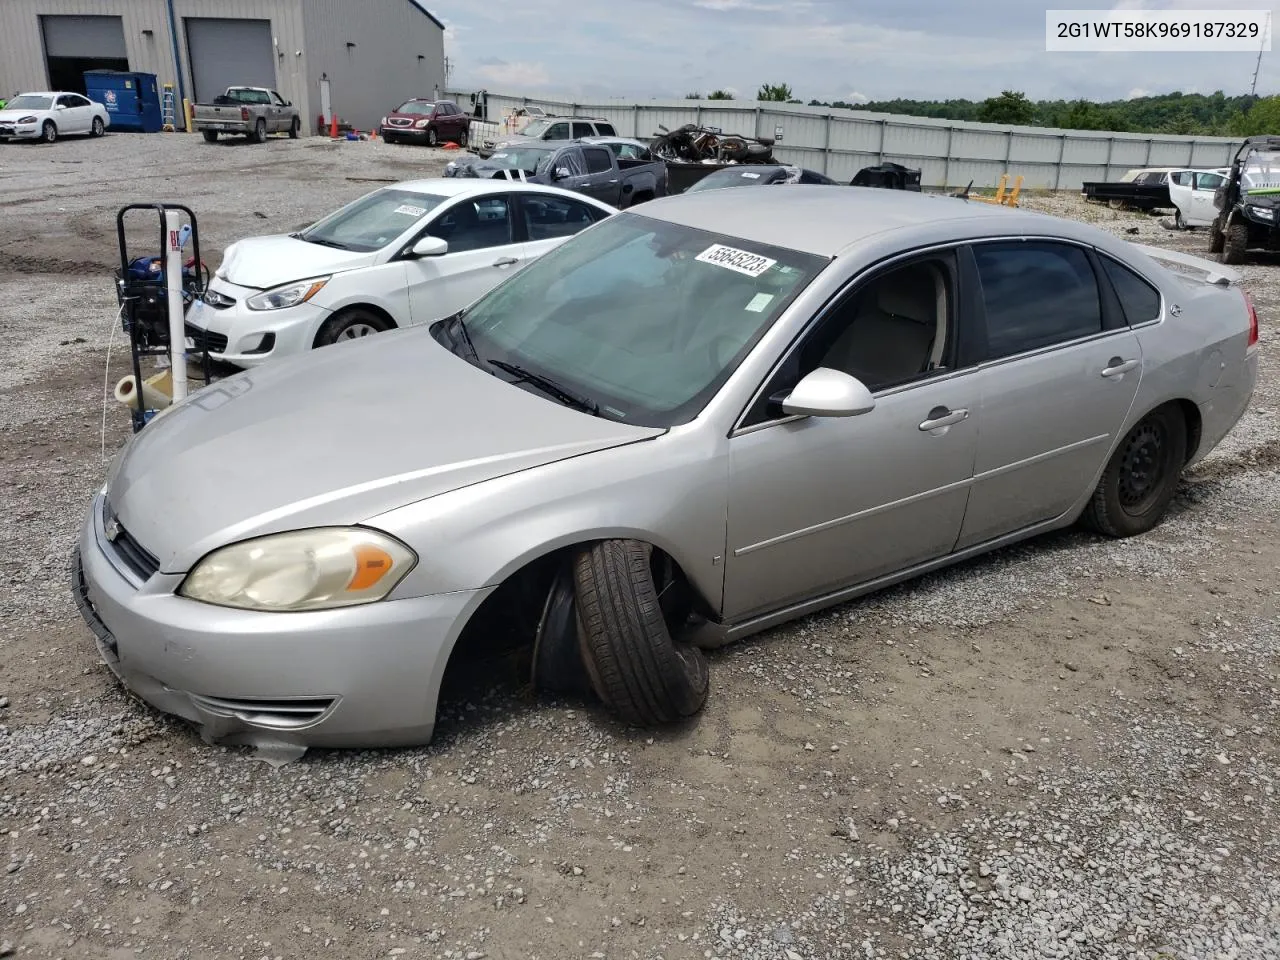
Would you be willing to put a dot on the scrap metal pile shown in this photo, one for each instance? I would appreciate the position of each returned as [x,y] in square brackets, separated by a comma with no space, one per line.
[696,144]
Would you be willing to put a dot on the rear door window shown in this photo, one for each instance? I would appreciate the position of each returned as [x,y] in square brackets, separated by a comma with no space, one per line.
[606,130]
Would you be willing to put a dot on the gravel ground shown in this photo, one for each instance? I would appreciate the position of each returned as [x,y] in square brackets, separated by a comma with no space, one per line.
[1067,749]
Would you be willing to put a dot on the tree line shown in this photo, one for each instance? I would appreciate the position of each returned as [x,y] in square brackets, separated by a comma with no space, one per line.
[1190,114]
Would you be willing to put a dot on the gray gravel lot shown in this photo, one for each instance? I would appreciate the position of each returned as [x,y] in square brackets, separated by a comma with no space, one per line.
[1067,749]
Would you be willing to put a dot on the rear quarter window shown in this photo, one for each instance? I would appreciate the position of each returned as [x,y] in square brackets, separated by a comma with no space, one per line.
[1138,298]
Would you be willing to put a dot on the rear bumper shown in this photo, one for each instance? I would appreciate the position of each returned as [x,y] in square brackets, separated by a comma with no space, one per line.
[224,126]
[362,676]
[1227,403]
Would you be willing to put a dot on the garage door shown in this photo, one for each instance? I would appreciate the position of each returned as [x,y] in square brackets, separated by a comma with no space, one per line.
[229,53]
[73,45]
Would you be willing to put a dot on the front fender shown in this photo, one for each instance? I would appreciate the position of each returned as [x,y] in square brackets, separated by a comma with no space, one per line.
[669,490]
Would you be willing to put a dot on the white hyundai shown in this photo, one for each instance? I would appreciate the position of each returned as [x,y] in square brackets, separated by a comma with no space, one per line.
[49,115]
[405,254]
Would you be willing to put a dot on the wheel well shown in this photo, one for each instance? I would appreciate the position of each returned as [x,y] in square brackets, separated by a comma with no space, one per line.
[1195,426]
[343,311]
[504,625]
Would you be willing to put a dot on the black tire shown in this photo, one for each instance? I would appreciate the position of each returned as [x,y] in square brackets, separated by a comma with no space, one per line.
[295,128]
[464,138]
[260,131]
[49,132]
[433,138]
[1178,221]
[98,128]
[644,676]
[1216,239]
[1142,476]
[351,325]
[1235,243]
[210,136]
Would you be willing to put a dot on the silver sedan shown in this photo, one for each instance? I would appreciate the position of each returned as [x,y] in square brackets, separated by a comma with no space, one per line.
[683,426]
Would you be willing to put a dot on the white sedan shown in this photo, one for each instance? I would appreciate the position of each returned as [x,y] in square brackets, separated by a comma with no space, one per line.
[405,254]
[50,115]
[1191,192]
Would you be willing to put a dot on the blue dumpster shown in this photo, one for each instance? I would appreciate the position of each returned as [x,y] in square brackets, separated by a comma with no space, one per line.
[132,99]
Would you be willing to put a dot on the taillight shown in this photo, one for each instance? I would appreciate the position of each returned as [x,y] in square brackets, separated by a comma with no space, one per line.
[244,113]
[1253,321]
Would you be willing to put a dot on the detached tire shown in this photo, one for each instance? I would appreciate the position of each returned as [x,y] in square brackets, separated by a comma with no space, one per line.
[350,325]
[1142,477]
[635,667]
[1235,243]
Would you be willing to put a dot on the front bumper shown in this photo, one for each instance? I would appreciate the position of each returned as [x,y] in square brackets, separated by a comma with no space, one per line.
[364,676]
[24,131]
[239,336]
[402,132]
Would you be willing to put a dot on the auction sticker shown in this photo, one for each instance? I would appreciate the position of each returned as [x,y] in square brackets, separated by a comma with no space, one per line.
[742,261]
[410,211]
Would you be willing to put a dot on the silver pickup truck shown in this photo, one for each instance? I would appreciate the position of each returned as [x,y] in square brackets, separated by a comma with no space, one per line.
[620,171]
[252,112]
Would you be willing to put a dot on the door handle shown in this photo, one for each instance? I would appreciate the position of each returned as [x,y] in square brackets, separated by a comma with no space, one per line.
[1116,366]
[942,417]
[504,262]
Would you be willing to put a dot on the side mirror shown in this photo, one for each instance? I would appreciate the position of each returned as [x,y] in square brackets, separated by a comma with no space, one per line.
[561,173]
[61,106]
[430,247]
[829,393]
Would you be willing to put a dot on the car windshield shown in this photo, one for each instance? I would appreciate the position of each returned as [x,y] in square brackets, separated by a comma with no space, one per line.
[1261,171]
[29,102]
[734,178]
[373,221]
[420,108]
[520,158]
[641,318]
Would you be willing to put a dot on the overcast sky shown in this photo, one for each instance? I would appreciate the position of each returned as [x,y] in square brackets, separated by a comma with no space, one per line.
[825,49]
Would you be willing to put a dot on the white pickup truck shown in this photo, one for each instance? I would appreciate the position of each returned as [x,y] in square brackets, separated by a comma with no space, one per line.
[252,112]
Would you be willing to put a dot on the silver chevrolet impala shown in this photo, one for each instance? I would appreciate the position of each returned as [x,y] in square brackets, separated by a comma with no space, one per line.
[688,423]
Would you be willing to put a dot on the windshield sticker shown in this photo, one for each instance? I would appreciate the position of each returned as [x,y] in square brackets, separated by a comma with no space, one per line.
[410,211]
[759,302]
[752,176]
[741,261]
[500,156]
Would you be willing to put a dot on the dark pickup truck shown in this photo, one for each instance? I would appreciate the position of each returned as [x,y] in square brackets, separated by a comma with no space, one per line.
[616,170]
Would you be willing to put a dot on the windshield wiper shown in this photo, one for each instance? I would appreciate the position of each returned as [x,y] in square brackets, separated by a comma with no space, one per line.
[325,243]
[549,386]
[466,334]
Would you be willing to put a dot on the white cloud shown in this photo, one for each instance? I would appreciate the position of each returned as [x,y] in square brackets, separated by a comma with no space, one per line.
[515,76]
[1137,92]
[856,97]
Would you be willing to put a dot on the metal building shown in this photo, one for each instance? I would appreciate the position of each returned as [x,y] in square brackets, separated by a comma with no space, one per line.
[356,58]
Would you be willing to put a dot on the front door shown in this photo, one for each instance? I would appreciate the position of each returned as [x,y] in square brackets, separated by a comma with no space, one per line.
[817,504]
[483,251]
[1061,373]
[1202,208]
[603,178]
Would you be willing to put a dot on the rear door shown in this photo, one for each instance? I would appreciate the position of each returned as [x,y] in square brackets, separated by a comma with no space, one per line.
[1060,370]
[603,177]
[485,247]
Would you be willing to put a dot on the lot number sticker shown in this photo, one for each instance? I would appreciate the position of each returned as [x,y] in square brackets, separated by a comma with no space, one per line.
[741,261]
[410,211]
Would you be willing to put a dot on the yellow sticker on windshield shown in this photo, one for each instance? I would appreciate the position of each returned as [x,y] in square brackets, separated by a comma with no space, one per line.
[741,261]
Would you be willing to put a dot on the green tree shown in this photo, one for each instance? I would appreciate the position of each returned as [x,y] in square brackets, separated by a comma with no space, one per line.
[719,95]
[780,92]
[1262,118]
[693,96]
[1012,106]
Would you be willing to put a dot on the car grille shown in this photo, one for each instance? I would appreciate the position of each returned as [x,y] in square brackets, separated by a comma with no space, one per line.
[207,339]
[6,131]
[399,122]
[286,714]
[130,552]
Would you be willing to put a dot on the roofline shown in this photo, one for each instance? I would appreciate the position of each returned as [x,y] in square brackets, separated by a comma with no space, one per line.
[429,15]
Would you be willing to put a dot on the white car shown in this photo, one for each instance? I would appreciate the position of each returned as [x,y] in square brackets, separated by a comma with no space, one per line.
[405,254]
[1191,193]
[49,115]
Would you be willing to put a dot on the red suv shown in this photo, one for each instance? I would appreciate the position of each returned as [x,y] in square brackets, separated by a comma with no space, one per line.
[426,121]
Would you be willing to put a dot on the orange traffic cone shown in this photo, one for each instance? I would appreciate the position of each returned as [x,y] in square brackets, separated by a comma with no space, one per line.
[333,127]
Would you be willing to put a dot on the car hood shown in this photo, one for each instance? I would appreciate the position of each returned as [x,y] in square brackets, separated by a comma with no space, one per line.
[265,262]
[13,116]
[335,436]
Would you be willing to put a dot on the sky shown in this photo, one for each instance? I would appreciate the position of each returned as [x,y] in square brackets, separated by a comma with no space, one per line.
[851,50]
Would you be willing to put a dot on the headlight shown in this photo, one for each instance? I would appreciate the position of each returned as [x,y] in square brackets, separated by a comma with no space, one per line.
[287,296]
[422,123]
[1263,213]
[28,119]
[215,299]
[318,569]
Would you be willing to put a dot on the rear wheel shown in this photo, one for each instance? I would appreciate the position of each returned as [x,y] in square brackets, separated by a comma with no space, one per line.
[351,325]
[1142,476]
[295,128]
[210,136]
[49,132]
[1236,243]
[98,128]
[260,132]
